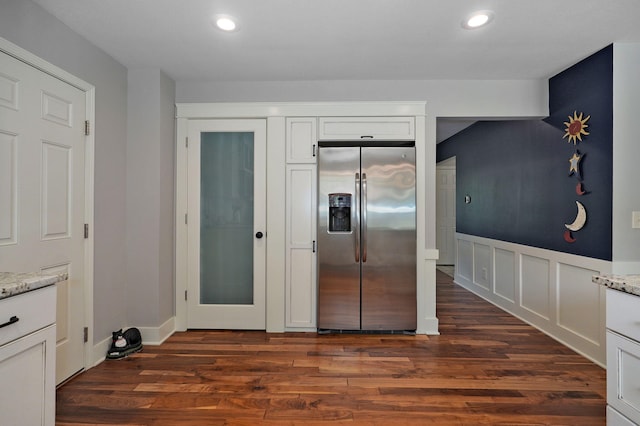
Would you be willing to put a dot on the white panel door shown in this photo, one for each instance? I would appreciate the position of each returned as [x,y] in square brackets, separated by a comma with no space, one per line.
[42,192]
[446,214]
[226,224]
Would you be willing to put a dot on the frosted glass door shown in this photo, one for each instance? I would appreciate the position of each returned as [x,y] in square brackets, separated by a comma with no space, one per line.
[226,218]
[226,226]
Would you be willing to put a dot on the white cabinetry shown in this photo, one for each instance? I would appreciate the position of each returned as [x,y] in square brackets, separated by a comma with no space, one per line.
[370,128]
[27,358]
[301,140]
[301,253]
[300,279]
[623,358]
[302,136]
[293,128]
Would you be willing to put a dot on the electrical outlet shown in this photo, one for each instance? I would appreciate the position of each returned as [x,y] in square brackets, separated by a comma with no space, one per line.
[485,275]
[635,219]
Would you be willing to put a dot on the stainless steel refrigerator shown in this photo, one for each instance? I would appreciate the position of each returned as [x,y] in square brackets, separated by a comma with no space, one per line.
[366,237]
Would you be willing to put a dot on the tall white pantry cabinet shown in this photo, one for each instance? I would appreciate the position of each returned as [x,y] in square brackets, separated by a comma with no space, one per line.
[301,201]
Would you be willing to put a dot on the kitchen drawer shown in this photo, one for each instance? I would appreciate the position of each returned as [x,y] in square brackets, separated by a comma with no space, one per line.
[623,375]
[623,313]
[366,128]
[34,310]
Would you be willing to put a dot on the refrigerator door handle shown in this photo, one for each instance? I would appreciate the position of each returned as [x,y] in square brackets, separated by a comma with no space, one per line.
[356,209]
[364,217]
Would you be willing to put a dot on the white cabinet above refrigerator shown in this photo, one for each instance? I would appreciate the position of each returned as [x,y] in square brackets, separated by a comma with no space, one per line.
[366,128]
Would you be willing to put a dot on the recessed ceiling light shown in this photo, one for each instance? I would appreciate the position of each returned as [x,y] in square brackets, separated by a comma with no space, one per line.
[477,19]
[226,22]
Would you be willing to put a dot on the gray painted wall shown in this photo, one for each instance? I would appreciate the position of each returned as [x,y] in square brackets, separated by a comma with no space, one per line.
[445,98]
[150,198]
[134,170]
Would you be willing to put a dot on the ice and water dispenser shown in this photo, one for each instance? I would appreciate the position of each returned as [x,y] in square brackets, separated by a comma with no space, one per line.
[340,212]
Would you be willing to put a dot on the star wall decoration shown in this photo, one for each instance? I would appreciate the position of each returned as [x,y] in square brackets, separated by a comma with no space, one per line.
[574,163]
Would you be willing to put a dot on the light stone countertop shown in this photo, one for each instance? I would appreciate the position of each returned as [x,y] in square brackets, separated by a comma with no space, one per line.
[626,283]
[13,283]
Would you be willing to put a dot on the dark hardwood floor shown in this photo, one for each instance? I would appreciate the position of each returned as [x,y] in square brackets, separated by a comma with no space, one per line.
[486,367]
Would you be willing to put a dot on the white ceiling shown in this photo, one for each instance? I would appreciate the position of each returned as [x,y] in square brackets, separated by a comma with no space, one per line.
[281,40]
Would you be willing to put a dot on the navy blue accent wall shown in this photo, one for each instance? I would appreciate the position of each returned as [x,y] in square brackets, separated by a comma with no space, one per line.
[517,172]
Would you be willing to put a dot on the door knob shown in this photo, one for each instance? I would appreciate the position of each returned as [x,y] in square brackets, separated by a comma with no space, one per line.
[259,235]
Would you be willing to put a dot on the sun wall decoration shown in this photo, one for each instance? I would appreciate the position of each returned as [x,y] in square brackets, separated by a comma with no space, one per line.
[576,127]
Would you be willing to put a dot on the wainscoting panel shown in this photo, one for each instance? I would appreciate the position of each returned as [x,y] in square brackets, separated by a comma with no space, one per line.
[578,304]
[482,265]
[505,274]
[534,291]
[550,290]
[464,264]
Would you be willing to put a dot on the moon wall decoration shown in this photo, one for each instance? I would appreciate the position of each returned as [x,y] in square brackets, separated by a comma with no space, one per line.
[581,218]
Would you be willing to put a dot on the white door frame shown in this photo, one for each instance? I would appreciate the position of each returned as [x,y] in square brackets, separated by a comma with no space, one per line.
[27,57]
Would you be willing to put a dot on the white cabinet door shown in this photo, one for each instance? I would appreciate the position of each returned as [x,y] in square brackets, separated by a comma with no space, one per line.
[367,128]
[27,388]
[301,239]
[301,139]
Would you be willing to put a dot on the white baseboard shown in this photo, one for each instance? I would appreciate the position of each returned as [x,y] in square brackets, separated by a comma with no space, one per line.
[430,327]
[552,291]
[599,361]
[100,352]
[154,336]
[151,336]
[296,330]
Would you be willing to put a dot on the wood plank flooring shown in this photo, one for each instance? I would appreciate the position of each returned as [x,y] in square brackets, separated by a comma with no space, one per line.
[486,367]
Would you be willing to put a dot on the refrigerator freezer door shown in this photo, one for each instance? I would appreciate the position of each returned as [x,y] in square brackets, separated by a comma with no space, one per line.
[389,238]
[338,252]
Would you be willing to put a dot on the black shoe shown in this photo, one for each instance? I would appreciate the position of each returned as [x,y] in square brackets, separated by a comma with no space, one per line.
[125,344]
